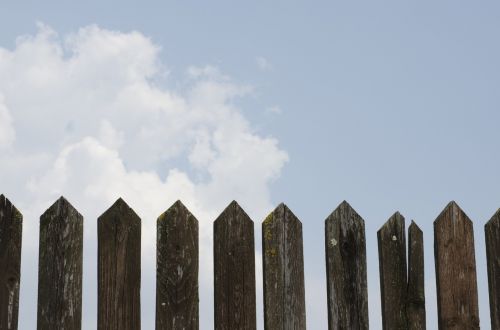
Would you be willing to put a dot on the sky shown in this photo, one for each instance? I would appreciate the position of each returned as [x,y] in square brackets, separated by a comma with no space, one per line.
[390,105]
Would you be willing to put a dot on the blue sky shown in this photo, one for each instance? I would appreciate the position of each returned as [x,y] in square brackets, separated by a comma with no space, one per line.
[390,105]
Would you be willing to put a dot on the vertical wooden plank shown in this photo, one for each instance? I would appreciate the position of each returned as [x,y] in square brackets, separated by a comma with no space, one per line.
[11,222]
[177,269]
[345,246]
[119,268]
[392,265]
[284,296]
[416,286]
[234,270]
[455,270]
[60,268]
[492,233]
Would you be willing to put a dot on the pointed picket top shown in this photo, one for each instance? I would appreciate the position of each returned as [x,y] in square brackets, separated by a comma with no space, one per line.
[281,213]
[414,227]
[177,208]
[233,212]
[120,210]
[452,212]
[61,209]
[494,221]
[6,207]
[345,213]
[395,226]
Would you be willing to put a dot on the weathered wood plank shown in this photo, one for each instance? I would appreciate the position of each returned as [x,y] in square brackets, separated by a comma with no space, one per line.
[60,268]
[234,270]
[177,269]
[492,232]
[11,223]
[119,268]
[455,270]
[345,245]
[284,296]
[392,265]
[415,308]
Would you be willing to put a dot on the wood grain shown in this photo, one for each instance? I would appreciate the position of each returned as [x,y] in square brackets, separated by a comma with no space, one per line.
[455,270]
[60,268]
[392,266]
[11,222]
[492,232]
[284,296]
[119,268]
[345,246]
[234,270]
[415,308]
[177,269]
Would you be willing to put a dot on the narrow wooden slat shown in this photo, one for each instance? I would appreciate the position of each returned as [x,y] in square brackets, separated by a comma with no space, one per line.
[284,296]
[345,246]
[11,222]
[492,232]
[455,270]
[416,288]
[392,265]
[234,270]
[177,269]
[119,268]
[60,268]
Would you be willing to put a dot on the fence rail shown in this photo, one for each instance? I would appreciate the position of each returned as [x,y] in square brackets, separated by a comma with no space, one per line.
[401,267]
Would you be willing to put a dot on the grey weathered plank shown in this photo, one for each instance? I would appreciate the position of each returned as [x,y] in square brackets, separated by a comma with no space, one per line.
[234,270]
[415,308]
[392,265]
[177,269]
[11,222]
[455,270]
[492,233]
[119,268]
[60,268]
[345,246]
[284,297]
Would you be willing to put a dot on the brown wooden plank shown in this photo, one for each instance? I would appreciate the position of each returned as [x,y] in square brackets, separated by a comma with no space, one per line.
[177,269]
[392,265]
[119,268]
[345,246]
[284,297]
[11,223]
[415,308]
[492,233]
[234,270]
[60,268]
[455,270]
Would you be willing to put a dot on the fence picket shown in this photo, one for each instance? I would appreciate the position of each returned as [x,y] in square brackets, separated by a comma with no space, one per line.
[119,268]
[455,270]
[234,270]
[415,308]
[283,261]
[11,222]
[393,279]
[177,269]
[60,268]
[345,246]
[492,232]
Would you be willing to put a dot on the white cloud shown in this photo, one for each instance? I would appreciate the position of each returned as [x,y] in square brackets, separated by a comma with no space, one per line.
[7,132]
[275,110]
[88,119]
[263,63]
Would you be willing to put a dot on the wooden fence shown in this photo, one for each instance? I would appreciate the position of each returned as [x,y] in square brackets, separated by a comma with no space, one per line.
[119,275]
